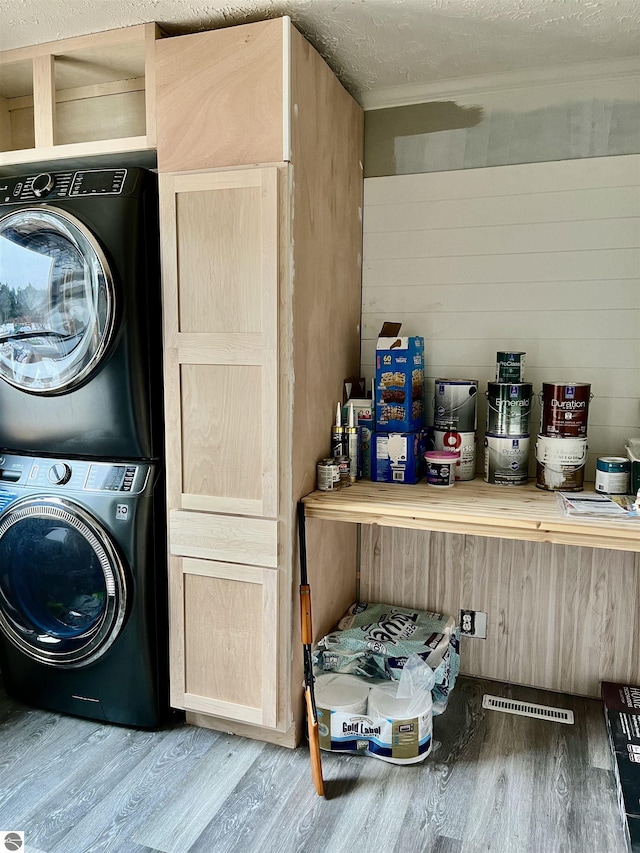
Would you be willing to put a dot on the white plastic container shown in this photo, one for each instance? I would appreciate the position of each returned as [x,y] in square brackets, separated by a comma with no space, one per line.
[441,467]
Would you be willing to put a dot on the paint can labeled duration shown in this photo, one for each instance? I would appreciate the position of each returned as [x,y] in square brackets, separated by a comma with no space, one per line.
[560,463]
[612,475]
[565,409]
[455,404]
[510,366]
[506,459]
[509,408]
[464,443]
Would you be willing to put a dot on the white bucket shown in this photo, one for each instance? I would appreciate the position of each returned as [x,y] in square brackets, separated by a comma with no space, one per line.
[560,463]
[441,467]
[465,444]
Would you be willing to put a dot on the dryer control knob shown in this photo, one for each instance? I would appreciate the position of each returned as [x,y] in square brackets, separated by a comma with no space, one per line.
[42,184]
[59,474]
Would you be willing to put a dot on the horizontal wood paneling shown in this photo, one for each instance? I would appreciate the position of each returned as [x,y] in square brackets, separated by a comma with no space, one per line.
[559,616]
[542,257]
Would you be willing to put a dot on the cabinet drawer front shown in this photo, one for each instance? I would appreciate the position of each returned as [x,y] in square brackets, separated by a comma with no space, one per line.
[230,641]
[233,539]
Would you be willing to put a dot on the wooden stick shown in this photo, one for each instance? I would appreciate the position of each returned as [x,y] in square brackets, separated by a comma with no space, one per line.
[306,633]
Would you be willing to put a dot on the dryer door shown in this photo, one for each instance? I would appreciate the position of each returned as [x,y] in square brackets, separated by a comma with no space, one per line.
[56,301]
[63,589]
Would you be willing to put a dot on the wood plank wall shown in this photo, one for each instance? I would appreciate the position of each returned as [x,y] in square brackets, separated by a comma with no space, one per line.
[559,617]
[543,258]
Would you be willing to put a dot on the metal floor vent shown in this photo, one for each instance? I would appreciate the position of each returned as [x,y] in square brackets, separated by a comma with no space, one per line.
[527,709]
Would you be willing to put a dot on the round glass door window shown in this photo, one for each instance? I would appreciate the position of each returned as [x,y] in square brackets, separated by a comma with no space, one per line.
[62,585]
[56,301]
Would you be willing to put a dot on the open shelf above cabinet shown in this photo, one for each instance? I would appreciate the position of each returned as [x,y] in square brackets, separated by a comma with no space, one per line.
[82,97]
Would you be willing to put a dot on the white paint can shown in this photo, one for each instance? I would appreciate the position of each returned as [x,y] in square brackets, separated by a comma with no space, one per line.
[506,459]
[560,463]
[465,444]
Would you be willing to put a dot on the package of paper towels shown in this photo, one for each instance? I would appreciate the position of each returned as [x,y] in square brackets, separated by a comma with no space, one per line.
[390,721]
[375,640]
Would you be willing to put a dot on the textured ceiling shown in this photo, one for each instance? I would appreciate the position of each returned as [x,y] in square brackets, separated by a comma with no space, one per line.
[373,44]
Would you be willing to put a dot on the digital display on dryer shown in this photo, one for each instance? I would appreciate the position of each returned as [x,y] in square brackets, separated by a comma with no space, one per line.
[98,182]
[110,478]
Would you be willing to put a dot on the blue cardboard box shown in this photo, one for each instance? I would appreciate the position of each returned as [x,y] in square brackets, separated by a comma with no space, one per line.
[398,457]
[399,386]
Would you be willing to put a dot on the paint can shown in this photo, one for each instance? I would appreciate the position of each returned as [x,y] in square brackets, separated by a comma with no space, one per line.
[328,475]
[510,366]
[612,475]
[441,467]
[506,459]
[560,463]
[465,444]
[508,408]
[565,409]
[454,405]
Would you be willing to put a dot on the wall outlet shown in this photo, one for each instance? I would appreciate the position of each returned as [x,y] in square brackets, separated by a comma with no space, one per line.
[473,623]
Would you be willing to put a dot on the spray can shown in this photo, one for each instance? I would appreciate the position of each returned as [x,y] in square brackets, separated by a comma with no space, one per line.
[338,436]
[353,446]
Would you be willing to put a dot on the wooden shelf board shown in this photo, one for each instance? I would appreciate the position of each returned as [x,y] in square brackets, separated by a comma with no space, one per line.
[475,508]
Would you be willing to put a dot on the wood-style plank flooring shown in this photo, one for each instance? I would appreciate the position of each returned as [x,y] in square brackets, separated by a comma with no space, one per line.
[496,782]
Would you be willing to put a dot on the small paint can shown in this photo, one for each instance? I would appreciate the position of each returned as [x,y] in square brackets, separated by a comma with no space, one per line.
[612,475]
[454,405]
[560,463]
[506,459]
[508,408]
[565,409]
[441,467]
[465,444]
[328,475]
[510,366]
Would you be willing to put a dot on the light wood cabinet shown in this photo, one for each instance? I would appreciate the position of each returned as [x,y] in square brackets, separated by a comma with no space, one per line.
[259,154]
[79,97]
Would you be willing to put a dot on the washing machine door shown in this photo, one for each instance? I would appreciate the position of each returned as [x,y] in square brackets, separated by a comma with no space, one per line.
[57,303]
[63,588]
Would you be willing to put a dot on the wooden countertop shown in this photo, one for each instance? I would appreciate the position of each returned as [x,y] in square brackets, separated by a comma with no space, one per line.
[475,508]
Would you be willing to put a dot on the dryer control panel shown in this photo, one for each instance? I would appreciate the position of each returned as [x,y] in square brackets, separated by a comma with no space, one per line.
[56,185]
[76,475]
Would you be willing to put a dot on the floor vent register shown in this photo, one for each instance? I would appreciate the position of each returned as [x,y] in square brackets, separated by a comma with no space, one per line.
[527,709]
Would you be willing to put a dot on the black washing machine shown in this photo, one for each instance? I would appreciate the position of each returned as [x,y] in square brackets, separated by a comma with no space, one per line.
[83,608]
[80,320]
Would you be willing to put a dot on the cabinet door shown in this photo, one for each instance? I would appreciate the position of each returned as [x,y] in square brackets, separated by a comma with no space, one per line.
[228,628]
[222,97]
[220,279]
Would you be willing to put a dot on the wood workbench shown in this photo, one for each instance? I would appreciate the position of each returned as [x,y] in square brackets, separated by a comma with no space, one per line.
[474,508]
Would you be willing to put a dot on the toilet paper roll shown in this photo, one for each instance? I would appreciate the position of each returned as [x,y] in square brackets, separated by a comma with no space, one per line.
[344,693]
[383,702]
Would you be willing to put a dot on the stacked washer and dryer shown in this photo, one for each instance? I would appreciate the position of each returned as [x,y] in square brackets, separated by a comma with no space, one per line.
[83,613]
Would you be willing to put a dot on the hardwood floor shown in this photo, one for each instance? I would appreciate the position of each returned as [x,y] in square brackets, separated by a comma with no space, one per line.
[496,782]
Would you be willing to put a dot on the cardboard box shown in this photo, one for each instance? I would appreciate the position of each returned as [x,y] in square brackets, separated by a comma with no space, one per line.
[398,457]
[622,716]
[399,385]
